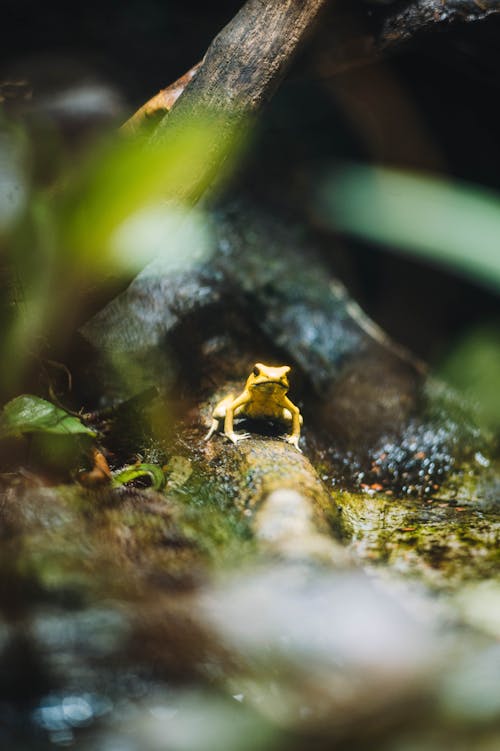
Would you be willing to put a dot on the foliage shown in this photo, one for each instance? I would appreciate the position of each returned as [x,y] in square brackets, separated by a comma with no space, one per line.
[102,218]
[31,414]
[449,223]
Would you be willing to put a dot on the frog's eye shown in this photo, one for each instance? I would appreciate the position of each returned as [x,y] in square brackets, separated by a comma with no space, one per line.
[256,370]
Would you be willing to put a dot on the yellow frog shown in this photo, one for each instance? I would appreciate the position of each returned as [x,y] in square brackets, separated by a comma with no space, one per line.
[264,396]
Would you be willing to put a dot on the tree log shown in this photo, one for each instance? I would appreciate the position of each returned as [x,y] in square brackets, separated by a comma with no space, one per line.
[289,507]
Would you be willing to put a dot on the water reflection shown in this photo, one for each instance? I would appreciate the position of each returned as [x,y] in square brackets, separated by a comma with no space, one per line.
[61,714]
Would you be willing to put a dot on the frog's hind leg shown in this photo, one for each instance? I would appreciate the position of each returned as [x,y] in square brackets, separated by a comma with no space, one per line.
[213,429]
[218,416]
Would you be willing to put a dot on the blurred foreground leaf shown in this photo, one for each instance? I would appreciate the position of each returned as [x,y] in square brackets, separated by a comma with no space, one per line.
[454,224]
[126,202]
[134,174]
[31,414]
[473,367]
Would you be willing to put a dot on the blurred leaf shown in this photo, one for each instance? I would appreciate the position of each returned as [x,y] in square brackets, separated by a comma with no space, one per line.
[30,414]
[135,471]
[473,367]
[118,207]
[173,236]
[132,174]
[451,223]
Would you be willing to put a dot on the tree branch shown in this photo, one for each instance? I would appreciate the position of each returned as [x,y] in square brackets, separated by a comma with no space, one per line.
[404,22]
[246,61]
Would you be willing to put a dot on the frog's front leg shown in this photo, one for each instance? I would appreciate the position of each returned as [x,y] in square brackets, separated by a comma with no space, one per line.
[292,410]
[239,402]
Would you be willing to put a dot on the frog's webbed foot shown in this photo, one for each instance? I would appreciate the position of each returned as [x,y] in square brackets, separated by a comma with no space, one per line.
[235,437]
[294,440]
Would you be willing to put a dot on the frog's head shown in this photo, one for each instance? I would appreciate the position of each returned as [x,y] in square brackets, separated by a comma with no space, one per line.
[268,379]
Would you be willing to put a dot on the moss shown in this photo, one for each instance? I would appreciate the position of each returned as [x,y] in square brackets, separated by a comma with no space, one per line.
[440,542]
[208,516]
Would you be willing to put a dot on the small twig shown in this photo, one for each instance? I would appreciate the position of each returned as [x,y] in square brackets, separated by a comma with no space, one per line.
[64,368]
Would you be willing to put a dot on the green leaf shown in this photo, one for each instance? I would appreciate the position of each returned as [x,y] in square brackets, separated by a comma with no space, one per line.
[456,225]
[31,414]
[134,471]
